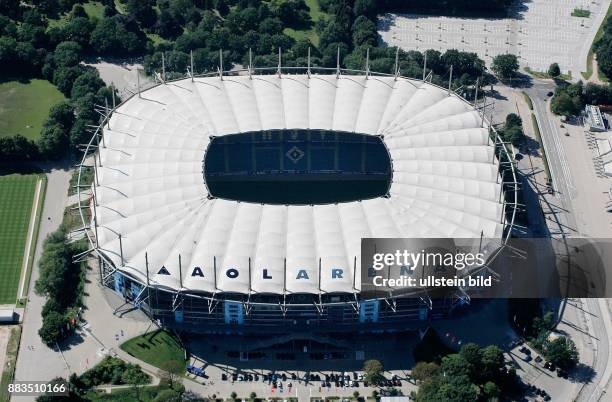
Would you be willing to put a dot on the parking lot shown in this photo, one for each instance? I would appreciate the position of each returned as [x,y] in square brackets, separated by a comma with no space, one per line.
[539,33]
[301,384]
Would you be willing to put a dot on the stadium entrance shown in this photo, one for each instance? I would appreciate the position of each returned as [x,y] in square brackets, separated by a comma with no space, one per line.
[297,167]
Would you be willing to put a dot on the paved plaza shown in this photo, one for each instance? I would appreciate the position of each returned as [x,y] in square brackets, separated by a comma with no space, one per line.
[539,33]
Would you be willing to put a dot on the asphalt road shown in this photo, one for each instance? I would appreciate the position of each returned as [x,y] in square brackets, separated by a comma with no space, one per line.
[562,179]
[595,310]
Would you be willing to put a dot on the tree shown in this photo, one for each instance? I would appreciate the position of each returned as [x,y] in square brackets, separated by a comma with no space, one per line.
[134,376]
[373,371]
[513,129]
[562,352]
[167,26]
[53,141]
[364,32]
[67,54]
[171,371]
[366,8]
[17,148]
[62,113]
[252,396]
[88,82]
[78,30]
[513,120]
[423,371]
[455,365]
[53,328]
[356,395]
[472,354]
[112,36]
[505,65]
[491,390]
[554,71]
[143,11]
[513,135]
[492,362]
[563,104]
[167,395]
[447,389]
[233,395]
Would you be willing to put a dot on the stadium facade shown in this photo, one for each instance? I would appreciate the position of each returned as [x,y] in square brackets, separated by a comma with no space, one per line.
[197,261]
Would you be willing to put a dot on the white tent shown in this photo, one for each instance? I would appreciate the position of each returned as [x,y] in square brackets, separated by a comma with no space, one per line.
[152,197]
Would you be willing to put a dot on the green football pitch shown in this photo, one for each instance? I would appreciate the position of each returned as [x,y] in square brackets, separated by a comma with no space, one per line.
[16,197]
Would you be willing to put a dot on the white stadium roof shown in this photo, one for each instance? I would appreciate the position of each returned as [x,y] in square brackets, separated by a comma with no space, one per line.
[151,189]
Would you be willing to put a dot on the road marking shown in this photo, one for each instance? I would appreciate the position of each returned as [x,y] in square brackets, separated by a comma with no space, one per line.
[32,225]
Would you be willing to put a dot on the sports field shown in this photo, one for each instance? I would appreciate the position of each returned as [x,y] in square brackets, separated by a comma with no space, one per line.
[25,106]
[16,197]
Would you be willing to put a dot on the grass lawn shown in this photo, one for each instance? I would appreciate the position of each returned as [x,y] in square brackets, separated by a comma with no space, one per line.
[315,14]
[16,198]
[544,75]
[94,9]
[128,394]
[8,371]
[155,348]
[581,13]
[157,40]
[24,106]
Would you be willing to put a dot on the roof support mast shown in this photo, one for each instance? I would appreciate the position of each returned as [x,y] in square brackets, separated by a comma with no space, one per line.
[424,66]
[450,80]
[221,64]
[250,64]
[367,65]
[163,76]
[180,274]
[138,81]
[396,69]
[191,64]
[121,250]
[308,70]
[338,63]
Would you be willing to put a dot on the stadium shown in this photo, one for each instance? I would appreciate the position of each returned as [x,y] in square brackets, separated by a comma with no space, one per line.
[236,202]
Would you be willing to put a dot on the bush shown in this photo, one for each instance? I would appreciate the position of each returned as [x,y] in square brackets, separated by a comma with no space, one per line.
[112,370]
